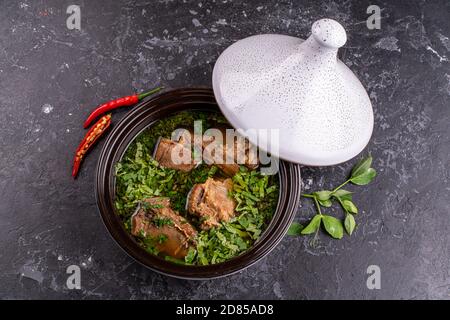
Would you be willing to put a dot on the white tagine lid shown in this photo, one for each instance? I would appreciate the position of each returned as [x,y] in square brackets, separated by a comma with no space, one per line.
[322,111]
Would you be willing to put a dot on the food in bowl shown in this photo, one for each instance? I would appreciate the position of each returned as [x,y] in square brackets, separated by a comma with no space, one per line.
[195,213]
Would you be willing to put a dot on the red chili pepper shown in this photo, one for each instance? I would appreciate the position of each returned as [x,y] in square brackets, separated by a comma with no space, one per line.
[120,102]
[89,139]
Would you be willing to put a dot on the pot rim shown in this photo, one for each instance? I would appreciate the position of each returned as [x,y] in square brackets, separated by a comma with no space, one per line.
[142,116]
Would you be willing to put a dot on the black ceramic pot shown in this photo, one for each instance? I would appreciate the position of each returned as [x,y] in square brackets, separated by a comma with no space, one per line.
[123,133]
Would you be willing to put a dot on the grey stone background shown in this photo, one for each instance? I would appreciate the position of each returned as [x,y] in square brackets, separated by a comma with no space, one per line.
[51,77]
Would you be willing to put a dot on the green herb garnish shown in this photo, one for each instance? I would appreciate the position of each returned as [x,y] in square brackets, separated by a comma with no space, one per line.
[160,222]
[148,206]
[148,243]
[161,238]
[295,229]
[174,260]
[138,176]
[362,174]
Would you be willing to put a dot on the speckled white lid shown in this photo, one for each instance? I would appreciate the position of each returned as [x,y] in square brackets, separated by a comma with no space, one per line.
[323,113]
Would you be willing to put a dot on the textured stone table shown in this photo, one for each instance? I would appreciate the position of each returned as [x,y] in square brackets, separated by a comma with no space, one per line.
[50,77]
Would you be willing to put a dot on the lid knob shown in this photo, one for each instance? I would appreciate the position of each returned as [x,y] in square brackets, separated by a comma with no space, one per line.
[329,33]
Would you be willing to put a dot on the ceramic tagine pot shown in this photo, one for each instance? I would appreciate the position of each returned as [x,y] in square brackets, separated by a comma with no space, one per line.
[297,88]
[300,87]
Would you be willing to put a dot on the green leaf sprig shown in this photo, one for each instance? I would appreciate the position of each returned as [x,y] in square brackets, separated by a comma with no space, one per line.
[362,174]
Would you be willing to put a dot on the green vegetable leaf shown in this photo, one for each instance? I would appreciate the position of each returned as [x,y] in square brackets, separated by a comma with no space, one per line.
[162,238]
[174,260]
[189,259]
[349,224]
[161,221]
[322,195]
[361,167]
[365,177]
[349,206]
[295,229]
[313,226]
[342,194]
[333,226]
[362,173]
[325,203]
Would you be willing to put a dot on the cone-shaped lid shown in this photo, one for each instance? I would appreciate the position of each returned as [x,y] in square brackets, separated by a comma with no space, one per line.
[274,82]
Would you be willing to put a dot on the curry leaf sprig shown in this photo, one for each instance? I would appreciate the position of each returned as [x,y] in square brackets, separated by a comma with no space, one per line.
[362,174]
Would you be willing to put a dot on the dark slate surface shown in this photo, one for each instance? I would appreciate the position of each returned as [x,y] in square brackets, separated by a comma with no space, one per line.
[50,77]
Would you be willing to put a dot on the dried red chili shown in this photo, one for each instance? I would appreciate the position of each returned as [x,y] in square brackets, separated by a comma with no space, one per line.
[120,102]
[89,139]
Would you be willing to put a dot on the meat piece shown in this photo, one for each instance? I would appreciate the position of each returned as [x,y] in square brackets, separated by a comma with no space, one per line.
[229,153]
[168,232]
[211,202]
[229,169]
[176,154]
[185,136]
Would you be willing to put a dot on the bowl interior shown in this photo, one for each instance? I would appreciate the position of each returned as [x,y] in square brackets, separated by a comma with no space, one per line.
[142,117]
